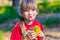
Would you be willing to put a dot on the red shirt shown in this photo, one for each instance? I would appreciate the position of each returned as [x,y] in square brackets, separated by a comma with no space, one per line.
[17,33]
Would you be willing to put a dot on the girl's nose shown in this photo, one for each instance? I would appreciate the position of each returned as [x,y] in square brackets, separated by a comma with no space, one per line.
[30,12]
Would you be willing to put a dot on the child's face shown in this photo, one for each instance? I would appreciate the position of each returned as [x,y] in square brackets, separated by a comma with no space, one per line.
[30,14]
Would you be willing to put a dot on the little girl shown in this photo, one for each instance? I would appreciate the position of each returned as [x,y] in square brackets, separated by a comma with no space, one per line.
[28,28]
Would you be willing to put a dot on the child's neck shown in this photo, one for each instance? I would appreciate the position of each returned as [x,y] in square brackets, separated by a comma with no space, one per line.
[28,22]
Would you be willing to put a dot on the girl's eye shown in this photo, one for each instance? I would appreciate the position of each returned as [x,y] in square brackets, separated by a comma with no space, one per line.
[33,9]
[27,10]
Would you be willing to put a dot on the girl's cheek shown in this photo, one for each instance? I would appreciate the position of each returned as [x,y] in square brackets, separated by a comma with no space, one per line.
[35,12]
[25,13]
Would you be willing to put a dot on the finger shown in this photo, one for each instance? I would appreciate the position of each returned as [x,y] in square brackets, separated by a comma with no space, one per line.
[33,33]
[31,36]
[41,34]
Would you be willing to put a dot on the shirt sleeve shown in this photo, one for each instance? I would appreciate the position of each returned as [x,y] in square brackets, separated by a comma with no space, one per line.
[15,35]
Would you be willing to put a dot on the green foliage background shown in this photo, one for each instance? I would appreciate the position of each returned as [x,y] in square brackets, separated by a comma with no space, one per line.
[8,12]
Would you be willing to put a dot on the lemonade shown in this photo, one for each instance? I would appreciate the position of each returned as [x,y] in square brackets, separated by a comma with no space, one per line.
[37,29]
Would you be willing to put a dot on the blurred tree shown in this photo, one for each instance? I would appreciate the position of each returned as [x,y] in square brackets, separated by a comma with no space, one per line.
[16,5]
[45,2]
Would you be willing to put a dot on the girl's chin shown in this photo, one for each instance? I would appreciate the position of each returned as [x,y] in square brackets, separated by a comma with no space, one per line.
[31,19]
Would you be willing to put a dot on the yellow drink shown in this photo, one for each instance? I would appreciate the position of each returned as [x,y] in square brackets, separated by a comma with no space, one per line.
[37,29]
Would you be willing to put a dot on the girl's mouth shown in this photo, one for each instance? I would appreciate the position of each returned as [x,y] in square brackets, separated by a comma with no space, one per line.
[30,16]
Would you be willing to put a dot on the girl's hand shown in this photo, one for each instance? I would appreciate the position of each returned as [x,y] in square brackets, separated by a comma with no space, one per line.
[32,35]
[42,35]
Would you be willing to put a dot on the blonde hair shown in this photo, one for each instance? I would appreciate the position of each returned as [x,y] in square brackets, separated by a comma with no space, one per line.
[27,5]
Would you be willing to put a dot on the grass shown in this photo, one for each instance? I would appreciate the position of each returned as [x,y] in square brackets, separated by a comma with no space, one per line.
[4,35]
[1,35]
